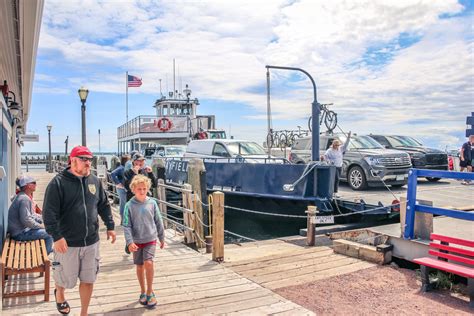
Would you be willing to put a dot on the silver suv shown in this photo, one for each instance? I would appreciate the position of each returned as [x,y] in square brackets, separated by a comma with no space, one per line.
[366,162]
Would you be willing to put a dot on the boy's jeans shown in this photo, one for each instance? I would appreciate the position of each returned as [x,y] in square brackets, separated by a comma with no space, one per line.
[122,193]
[36,234]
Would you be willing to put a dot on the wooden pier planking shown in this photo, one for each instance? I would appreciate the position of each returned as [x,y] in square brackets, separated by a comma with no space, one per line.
[189,283]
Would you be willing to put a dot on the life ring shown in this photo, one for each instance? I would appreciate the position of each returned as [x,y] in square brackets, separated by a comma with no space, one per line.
[164,124]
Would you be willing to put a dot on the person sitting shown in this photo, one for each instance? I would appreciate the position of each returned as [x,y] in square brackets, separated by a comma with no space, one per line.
[24,224]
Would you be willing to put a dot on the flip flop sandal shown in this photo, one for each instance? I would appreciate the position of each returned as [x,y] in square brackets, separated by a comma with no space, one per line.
[62,306]
[142,300]
[149,301]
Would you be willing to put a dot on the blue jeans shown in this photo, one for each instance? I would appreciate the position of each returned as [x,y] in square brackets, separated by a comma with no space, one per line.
[122,193]
[36,234]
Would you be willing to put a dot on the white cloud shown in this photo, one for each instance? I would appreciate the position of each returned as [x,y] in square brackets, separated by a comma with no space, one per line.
[222,48]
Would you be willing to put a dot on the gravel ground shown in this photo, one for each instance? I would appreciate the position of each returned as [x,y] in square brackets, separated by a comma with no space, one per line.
[378,290]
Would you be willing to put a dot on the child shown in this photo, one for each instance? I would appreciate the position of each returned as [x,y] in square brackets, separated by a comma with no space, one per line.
[142,223]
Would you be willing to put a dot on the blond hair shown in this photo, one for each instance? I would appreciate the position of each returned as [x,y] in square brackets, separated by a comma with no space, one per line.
[139,179]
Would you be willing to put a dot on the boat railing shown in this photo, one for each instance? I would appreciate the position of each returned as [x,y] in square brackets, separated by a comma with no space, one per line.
[413,206]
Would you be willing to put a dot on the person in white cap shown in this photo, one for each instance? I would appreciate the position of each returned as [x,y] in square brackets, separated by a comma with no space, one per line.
[23,223]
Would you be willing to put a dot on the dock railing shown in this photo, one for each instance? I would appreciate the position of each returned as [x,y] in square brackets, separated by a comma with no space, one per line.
[413,206]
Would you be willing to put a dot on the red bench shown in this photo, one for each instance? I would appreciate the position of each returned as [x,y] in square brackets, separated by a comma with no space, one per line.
[444,251]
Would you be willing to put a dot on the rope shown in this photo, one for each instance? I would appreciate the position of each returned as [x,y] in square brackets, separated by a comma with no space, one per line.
[265,213]
[176,207]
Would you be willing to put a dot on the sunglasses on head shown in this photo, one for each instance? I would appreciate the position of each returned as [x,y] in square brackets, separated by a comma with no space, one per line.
[85,158]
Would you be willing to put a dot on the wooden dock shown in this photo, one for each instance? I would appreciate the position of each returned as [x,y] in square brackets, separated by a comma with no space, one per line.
[190,283]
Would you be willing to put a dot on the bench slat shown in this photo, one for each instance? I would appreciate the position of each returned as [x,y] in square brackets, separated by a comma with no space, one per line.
[44,251]
[459,241]
[38,253]
[28,255]
[34,260]
[446,266]
[5,252]
[452,249]
[16,258]
[452,257]
[22,255]
[10,254]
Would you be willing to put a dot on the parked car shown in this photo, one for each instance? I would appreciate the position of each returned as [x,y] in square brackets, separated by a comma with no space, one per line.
[365,163]
[241,150]
[422,157]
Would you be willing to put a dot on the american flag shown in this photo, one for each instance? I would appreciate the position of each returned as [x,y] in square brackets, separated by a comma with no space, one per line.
[134,81]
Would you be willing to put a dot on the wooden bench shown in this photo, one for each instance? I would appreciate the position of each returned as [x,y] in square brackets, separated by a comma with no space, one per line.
[21,257]
[444,251]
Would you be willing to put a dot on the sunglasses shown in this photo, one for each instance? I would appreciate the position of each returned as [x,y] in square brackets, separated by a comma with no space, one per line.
[85,159]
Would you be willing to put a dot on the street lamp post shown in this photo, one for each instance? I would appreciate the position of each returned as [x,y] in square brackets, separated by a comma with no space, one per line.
[49,127]
[83,96]
[99,142]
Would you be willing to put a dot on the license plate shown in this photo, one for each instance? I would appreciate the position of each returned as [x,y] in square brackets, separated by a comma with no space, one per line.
[400,177]
[325,219]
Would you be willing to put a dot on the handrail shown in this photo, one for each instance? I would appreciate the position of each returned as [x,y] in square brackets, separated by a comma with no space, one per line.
[413,206]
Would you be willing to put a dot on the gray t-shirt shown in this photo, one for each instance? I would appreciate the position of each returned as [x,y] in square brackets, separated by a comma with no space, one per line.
[334,156]
[21,217]
[142,221]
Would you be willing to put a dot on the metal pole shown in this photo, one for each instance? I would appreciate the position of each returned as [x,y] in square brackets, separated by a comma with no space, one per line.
[66,143]
[126,98]
[269,114]
[315,111]
[50,169]
[99,142]
[83,111]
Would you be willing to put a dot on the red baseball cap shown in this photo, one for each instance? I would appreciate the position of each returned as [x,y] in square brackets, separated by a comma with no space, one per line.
[80,151]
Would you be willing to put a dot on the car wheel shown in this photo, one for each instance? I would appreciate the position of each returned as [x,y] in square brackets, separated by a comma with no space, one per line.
[430,179]
[356,178]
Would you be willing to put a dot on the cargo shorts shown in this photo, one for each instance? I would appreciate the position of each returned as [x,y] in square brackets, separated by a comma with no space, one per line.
[76,262]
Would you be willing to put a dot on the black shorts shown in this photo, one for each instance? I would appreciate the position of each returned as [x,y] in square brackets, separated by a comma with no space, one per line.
[465,163]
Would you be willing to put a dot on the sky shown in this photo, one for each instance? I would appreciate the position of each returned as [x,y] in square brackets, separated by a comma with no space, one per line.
[395,67]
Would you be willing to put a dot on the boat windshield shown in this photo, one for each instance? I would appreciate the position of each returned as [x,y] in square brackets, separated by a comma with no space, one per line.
[403,141]
[245,149]
[363,142]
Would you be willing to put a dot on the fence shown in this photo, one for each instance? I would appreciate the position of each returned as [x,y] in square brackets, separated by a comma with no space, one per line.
[413,206]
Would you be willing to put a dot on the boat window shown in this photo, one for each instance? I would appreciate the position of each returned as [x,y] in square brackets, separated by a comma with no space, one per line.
[245,148]
[220,150]
[362,142]
[158,110]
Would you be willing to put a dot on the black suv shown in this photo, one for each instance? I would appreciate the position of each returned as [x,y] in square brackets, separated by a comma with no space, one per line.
[421,157]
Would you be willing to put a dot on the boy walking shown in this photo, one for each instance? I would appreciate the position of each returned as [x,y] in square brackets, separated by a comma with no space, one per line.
[142,224]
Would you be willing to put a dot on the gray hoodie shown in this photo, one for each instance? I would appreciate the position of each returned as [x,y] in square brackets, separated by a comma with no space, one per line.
[142,221]
[21,217]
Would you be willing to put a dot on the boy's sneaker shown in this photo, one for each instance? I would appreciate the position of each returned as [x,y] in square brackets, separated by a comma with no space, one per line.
[126,250]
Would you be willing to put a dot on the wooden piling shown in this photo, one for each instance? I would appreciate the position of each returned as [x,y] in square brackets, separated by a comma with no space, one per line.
[311,225]
[161,195]
[195,170]
[188,217]
[218,227]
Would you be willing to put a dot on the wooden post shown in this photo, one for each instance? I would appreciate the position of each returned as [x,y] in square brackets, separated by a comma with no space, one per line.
[187,216]
[311,225]
[195,169]
[218,227]
[161,195]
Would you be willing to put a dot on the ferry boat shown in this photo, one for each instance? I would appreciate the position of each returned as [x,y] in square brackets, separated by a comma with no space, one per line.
[175,123]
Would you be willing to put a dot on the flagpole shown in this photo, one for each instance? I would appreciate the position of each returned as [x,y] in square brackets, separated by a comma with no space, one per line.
[126,104]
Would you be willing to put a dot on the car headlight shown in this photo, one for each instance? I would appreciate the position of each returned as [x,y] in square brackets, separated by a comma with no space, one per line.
[373,161]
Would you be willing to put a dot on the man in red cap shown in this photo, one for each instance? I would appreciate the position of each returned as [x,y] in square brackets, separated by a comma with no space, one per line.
[72,203]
